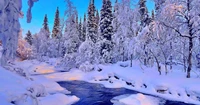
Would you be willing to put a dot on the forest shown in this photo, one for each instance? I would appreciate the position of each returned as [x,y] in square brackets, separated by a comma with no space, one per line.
[164,42]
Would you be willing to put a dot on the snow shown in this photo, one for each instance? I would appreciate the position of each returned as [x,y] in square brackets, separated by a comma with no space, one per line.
[173,86]
[59,98]
[34,89]
[136,99]
[44,75]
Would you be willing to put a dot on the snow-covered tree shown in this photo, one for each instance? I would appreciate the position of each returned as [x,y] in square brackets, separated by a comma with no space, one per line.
[29,38]
[152,15]
[80,30]
[106,31]
[126,27]
[91,23]
[144,19]
[84,29]
[56,27]
[182,18]
[45,25]
[97,20]
[24,50]
[10,28]
[40,42]
[71,34]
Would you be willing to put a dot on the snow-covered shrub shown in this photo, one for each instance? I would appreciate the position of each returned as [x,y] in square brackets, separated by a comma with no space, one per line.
[24,50]
[123,64]
[11,67]
[25,99]
[37,90]
[69,61]
[87,67]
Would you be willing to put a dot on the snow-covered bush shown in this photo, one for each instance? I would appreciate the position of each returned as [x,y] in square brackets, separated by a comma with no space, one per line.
[87,67]
[13,68]
[123,64]
[87,52]
[37,90]
[69,61]
[24,50]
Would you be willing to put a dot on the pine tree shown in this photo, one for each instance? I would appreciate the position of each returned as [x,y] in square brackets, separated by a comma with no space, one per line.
[29,38]
[91,23]
[45,25]
[143,12]
[77,23]
[97,20]
[71,34]
[106,31]
[153,15]
[115,14]
[81,37]
[56,27]
[84,28]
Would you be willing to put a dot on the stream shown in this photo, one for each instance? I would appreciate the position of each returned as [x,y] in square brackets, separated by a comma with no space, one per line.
[97,94]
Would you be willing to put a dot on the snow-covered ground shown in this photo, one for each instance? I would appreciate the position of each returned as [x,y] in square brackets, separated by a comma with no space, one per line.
[44,76]
[20,86]
[174,86]
[137,99]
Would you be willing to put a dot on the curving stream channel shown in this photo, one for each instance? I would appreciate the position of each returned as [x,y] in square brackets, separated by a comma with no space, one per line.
[97,94]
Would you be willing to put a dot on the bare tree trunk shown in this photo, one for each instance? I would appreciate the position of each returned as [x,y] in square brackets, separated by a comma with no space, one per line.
[184,61]
[171,56]
[190,57]
[157,62]
[123,55]
[166,70]
[131,60]
[158,66]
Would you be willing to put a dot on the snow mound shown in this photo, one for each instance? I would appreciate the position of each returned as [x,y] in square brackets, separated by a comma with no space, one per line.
[136,99]
[59,98]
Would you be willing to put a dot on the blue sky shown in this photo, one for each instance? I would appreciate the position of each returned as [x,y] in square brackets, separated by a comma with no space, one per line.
[48,7]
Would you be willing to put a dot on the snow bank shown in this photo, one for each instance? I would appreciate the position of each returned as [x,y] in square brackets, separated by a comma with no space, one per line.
[16,89]
[137,99]
[58,98]
[174,86]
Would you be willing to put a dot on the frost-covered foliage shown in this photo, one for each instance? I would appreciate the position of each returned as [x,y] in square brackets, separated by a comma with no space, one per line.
[29,38]
[71,37]
[126,28]
[9,28]
[24,50]
[10,11]
[56,28]
[91,23]
[87,67]
[106,31]
[87,52]
[182,18]
[29,14]
[40,42]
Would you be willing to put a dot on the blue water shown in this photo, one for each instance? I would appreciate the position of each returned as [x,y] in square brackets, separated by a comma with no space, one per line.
[97,94]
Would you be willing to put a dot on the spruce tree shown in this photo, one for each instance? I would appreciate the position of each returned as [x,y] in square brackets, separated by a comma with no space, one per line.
[80,30]
[45,25]
[56,27]
[97,20]
[29,38]
[106,31]
[153,15]
[77,23]
[84,28]
[143,12]
[115,19]
[91,23]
